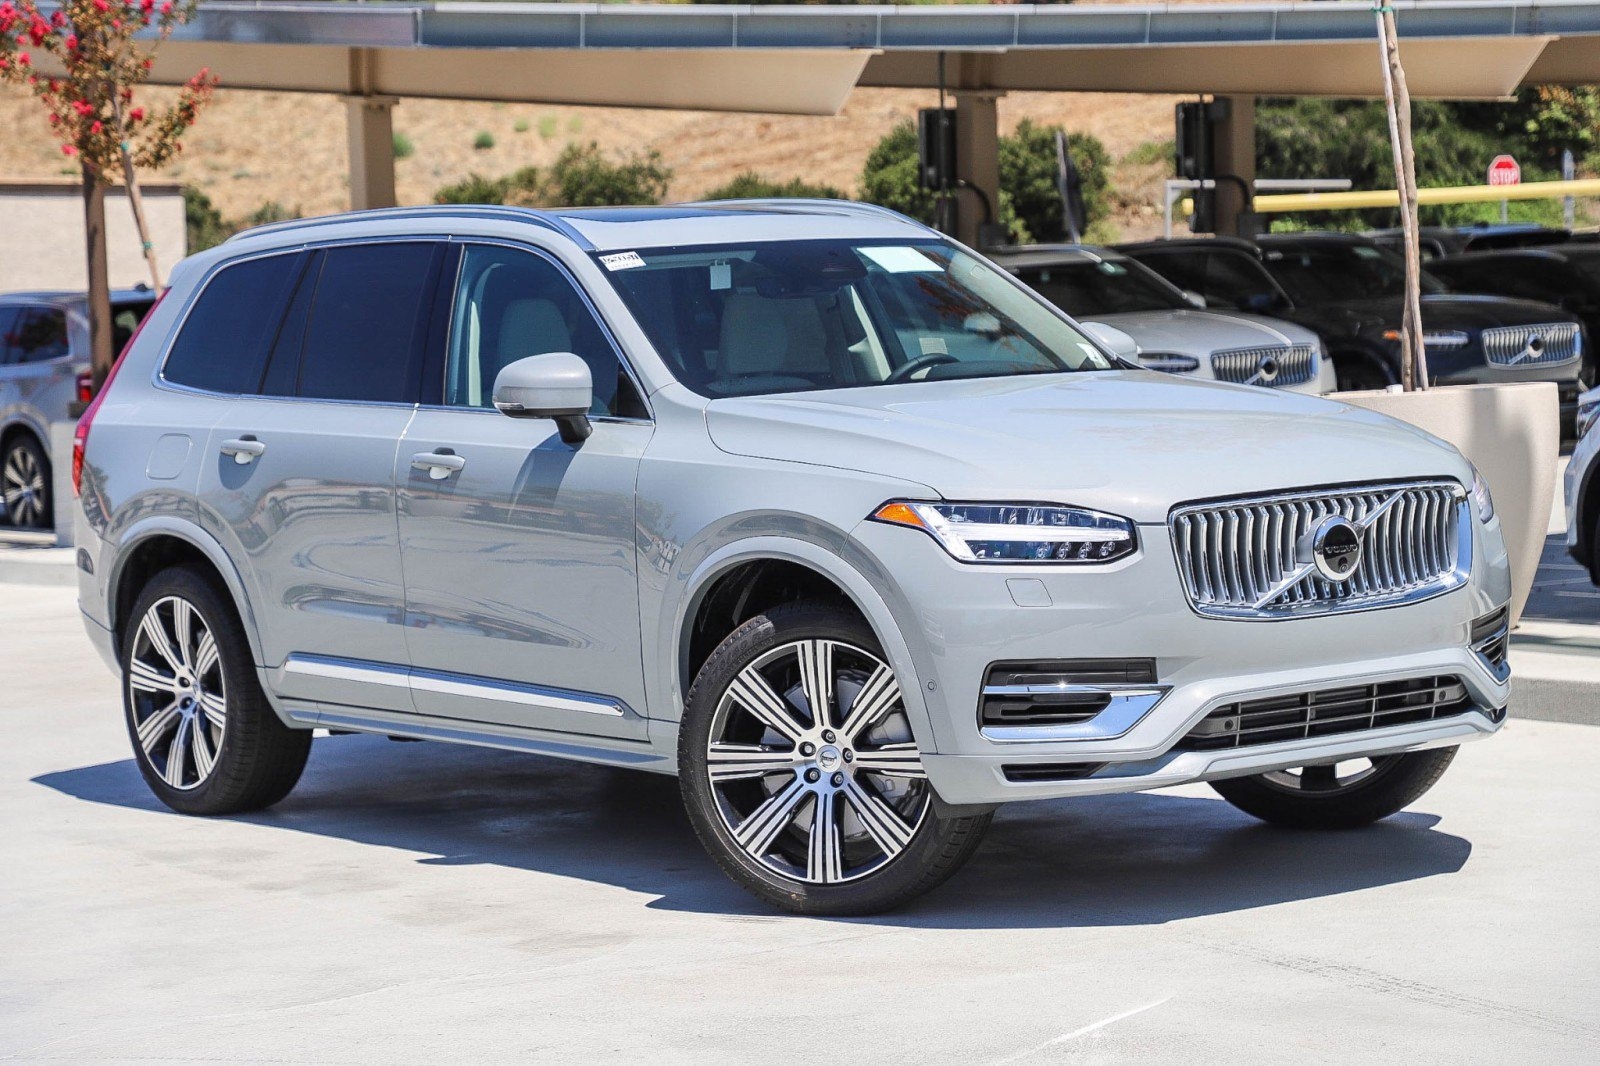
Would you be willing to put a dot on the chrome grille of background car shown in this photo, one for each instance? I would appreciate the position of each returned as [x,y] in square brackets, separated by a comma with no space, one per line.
[1248,558]
[1290,365]
[1510,345]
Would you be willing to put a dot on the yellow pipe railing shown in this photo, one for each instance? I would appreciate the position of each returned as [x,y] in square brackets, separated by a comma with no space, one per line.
[1462,194]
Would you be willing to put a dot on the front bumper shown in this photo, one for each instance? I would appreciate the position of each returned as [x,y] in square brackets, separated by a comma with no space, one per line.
[958,620]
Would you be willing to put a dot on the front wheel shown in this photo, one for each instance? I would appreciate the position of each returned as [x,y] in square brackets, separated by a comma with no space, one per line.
[1344,795]
[800,772]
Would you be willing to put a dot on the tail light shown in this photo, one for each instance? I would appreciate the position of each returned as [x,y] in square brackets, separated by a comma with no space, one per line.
[85,385]
[80,435]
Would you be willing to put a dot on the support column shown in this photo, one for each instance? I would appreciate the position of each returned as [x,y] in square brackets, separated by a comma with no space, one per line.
[977,162]
[370,120]
[1234,144]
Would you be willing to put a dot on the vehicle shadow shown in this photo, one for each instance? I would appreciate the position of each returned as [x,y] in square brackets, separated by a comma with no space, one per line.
[1097,861]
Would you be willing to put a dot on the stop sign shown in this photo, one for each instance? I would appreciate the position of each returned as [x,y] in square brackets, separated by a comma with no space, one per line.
[1503,170]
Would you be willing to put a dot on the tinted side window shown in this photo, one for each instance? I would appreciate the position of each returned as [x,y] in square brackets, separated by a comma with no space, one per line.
[1237,280]
[1185,270]
[223,342]
[512,304]
[8,320]
[365,329]
[39,333]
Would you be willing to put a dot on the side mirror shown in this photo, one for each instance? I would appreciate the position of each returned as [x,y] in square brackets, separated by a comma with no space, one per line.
[1195,299]
[1113,340]
[555,385]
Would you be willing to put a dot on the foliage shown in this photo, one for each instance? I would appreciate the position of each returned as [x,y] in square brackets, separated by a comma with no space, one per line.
[1029,205]
[202,222]
[91,104]
[1315,138]
[580,177]
[547,126]
[1150,153]
[522,125]
[483,140]
[752,186]
[404,147]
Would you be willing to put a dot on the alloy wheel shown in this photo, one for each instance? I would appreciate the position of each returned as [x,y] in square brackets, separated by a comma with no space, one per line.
[22,483]
[812,763]
[177,694]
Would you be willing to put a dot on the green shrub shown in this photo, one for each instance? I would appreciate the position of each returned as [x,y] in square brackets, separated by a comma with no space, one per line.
[751,186]
[202,222]
[403,148]
[473,189]
[1150,152]
[580,177]
[521,125]
[1029,204]
[547,126]
[575,125]
[271,211]
[483,140]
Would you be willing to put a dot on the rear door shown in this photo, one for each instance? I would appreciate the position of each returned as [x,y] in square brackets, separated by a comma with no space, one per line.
[521,584]
[297,479]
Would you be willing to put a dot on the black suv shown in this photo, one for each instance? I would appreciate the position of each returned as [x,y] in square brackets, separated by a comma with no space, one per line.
[1567,276]
[1349,290]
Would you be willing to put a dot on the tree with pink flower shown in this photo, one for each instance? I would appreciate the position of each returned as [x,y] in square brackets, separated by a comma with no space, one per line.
[83,62]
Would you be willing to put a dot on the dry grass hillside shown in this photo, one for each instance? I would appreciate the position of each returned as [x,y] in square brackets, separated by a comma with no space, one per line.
[251,148]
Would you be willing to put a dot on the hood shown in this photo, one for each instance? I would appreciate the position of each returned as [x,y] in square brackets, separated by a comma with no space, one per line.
[1203,332]
[1130,442]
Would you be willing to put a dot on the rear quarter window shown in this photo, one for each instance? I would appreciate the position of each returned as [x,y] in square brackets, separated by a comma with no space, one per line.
[222,345]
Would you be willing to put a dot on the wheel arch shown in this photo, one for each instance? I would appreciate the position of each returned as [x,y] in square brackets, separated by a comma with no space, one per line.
[158,543]
[725,570]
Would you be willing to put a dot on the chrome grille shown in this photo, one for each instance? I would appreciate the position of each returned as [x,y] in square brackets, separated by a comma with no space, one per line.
[1550,342]
[1276,365]
[1328,712]
[1250,558]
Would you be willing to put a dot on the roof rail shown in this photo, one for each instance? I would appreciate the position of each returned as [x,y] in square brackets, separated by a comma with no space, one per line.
[514,214]
[857,207]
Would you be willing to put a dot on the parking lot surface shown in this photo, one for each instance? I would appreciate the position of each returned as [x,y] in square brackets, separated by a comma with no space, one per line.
[429,903]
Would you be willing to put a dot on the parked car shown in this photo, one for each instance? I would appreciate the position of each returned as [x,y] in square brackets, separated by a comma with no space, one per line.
[1102,285]
[1438,241]
[1567,276]
[44,366]
[1349,291]
[1581,488]
[798,500]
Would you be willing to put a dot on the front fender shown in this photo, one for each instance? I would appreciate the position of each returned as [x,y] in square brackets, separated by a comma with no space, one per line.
[869,594]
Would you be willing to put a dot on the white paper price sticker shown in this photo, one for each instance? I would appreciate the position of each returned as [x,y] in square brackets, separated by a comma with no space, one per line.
[622,260]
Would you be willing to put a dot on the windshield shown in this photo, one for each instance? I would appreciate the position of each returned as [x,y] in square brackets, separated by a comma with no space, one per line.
[1083,289]
[1323,273]
[791,316]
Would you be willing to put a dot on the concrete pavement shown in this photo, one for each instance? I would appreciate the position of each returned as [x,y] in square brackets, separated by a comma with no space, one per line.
[425,903]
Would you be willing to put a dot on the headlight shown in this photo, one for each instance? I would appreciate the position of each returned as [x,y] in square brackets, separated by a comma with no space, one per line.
[1168,362]
[1481,500]
[1015,532]
[1588,410]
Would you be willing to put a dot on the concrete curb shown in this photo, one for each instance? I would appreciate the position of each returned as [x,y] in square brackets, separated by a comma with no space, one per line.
[38,566]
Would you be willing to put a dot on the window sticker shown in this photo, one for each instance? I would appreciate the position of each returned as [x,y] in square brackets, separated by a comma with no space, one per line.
[933,345]
[622,260]
[901,260]
[721,276]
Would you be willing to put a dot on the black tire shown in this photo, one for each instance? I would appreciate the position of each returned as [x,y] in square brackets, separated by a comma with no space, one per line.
[258,759]
[25,480]
[1356,371]
[1393,782]
[940,840]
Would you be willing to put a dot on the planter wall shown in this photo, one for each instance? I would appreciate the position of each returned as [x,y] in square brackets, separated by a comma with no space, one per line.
[1512,433]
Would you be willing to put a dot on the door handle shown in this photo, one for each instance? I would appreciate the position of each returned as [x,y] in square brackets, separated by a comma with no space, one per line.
[244,449]
[439,465]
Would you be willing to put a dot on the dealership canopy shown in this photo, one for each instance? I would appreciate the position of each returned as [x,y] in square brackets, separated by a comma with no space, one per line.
[805,60]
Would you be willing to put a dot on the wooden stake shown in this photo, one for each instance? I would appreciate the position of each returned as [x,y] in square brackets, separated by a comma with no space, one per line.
[1397,99]
[130,178]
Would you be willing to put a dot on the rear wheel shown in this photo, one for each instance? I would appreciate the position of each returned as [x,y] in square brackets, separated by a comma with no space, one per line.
[205,738]
[800,772]
[1342,795]
[25,483]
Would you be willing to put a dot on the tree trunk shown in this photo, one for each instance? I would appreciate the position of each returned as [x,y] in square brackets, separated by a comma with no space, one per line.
[94,231]
[1397,98]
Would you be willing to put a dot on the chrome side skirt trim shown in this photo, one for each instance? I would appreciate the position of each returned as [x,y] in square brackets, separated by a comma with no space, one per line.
[1129,704]
[437,681]
[634,754]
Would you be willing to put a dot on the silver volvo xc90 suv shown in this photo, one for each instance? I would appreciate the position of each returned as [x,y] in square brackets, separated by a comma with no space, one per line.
[800,500]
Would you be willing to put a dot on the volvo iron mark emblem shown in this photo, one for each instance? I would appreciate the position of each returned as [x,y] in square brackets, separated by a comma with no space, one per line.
[1335,548]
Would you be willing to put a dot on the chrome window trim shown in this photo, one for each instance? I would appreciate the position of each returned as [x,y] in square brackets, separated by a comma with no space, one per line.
[1446,581]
